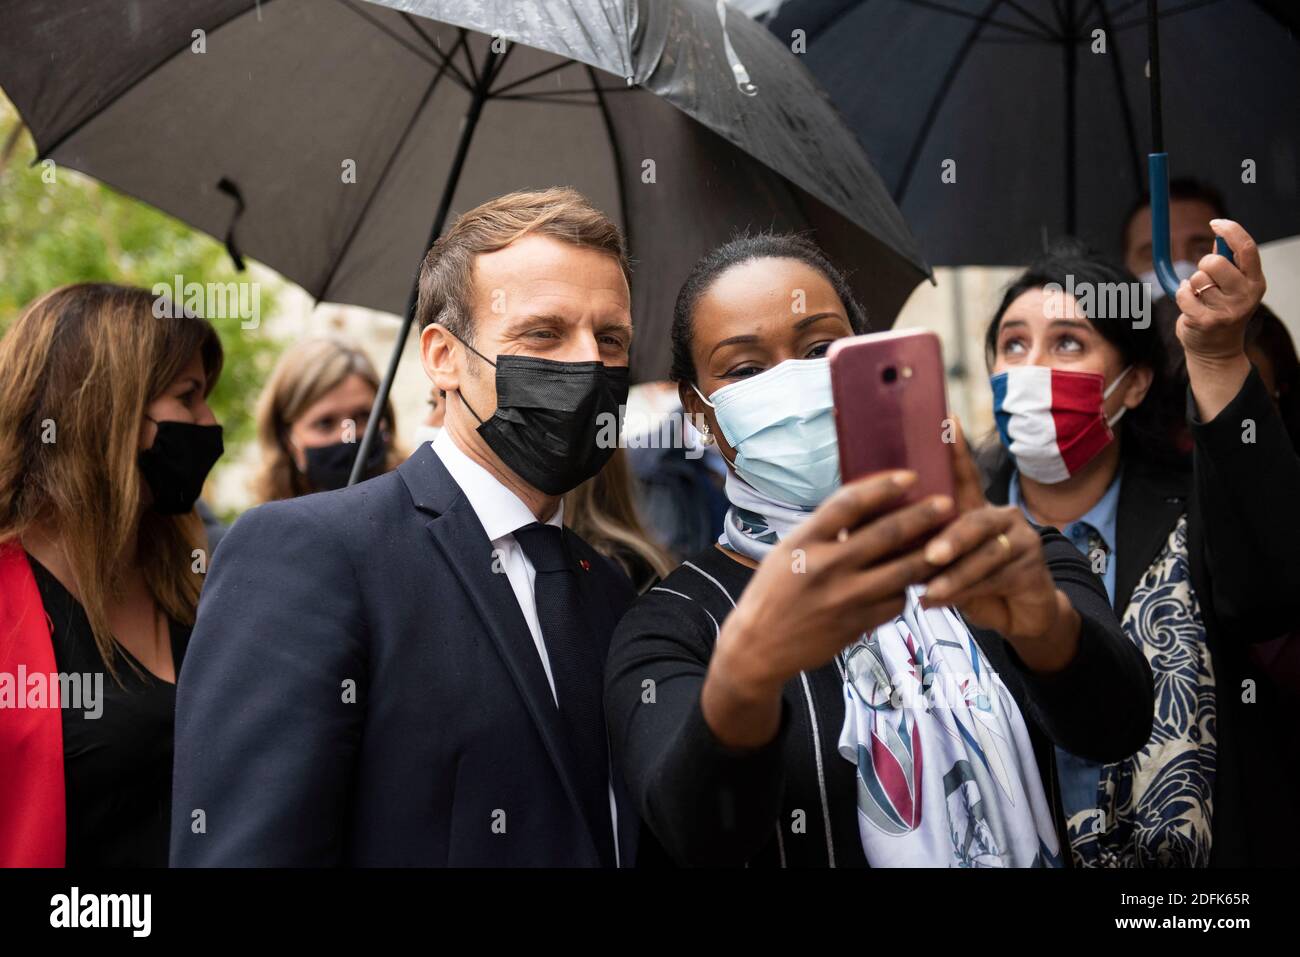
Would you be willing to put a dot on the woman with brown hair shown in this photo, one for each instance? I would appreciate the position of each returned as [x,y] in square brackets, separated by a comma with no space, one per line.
[108,440]
[1196,553]
[311,417]
[602,512]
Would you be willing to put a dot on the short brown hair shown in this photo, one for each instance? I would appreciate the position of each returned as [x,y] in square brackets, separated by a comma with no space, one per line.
[446,276]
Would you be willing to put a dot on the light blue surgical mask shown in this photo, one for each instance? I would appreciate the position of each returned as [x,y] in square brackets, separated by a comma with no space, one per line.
[781,424]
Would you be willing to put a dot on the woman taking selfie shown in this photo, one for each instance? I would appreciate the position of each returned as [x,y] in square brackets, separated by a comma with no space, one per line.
[311,417]
[108,440]
[785,699]
[1198,563]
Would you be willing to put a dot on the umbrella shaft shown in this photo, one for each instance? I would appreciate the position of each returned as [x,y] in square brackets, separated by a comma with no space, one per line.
[1071,147]
[1153,66]
[472,115]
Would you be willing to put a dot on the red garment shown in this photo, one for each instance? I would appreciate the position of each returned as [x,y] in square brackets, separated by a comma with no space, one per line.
[33,813]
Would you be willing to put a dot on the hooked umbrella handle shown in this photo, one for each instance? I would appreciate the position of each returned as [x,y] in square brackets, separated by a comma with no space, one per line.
[229,187]
[1161,258]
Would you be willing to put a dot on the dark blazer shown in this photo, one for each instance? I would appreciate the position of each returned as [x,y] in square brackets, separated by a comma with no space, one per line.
[361,689]
[1242,499]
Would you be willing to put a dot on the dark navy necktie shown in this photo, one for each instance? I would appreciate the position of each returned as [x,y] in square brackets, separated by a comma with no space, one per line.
[577,667]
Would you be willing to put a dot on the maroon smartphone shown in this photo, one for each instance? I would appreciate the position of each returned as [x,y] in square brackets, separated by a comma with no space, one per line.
[891,409]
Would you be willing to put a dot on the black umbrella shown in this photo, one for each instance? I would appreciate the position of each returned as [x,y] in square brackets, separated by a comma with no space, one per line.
[243,118]
[1040,106]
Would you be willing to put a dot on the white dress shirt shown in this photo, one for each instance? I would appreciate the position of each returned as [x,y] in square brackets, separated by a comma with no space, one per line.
[501,513]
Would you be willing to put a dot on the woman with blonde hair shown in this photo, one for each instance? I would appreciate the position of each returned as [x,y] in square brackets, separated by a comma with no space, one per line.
[311,417]
[601,511]
[108,440]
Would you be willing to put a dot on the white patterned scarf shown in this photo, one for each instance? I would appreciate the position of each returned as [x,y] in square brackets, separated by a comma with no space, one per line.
[946,772]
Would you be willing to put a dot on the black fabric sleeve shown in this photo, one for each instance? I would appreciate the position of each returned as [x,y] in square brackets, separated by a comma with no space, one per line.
[1246,508]
[266,735]
[1100,705]
[707,804]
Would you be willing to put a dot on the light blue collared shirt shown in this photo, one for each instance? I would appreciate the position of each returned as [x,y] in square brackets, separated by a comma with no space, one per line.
[1101,518]
[1080,778]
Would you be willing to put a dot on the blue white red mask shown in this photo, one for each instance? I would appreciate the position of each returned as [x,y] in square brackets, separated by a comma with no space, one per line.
[1052,421]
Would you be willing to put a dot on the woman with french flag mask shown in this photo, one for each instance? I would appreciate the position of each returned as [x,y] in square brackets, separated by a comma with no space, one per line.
[1196,553]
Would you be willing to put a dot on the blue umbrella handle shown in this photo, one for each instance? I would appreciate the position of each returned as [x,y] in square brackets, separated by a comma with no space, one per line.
[1161,259]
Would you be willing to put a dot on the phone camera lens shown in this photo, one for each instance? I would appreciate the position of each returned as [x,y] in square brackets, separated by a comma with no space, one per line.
[890,374]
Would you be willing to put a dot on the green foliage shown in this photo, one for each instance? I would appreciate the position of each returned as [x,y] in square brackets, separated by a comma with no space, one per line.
[78,230]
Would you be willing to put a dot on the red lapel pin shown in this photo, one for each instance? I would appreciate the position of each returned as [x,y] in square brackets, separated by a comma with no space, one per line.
[586,565]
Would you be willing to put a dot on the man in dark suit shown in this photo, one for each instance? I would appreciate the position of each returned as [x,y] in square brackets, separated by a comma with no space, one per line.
[409,671]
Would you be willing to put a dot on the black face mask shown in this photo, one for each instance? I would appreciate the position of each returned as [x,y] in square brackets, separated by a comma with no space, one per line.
[330,466]
[556,423]
[177,464]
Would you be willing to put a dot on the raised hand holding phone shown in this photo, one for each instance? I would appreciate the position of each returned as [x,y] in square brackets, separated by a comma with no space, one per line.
[988,564]
[841,573]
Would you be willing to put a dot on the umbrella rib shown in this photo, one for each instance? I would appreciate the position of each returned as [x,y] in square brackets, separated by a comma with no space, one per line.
[933,113]
[571,91]
[1043,24]
[81,123]
[388,31]
[469,55]
[379,181]
[437,50]
[563,96]
[1166,14]
[966,14]
[494,70]
[533,76]
[547,98]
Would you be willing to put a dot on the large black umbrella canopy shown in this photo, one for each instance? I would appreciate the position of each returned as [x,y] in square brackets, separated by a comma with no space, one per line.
[1048,136]
[682,122]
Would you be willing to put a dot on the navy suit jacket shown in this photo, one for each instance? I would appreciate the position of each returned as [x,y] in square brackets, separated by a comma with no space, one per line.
[361,688]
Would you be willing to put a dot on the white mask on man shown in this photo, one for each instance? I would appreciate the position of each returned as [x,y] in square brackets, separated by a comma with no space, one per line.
[1182,269]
